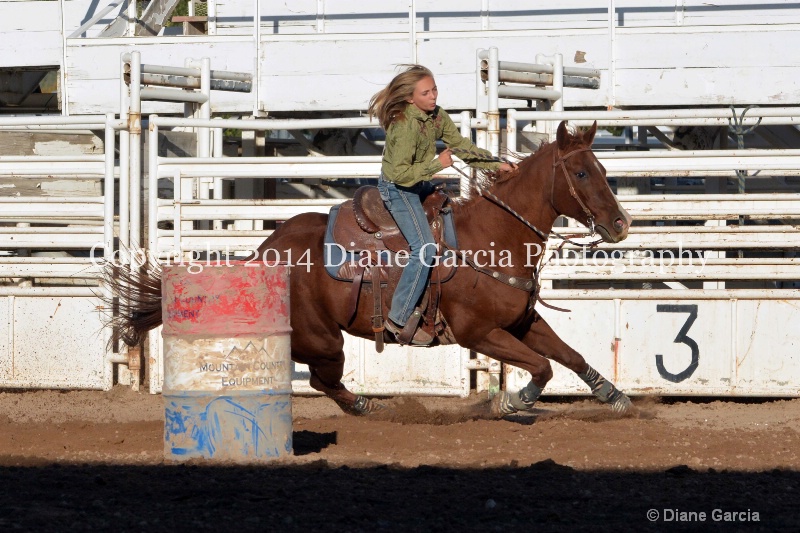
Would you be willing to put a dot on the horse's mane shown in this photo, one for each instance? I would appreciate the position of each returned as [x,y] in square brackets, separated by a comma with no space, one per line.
[487,179]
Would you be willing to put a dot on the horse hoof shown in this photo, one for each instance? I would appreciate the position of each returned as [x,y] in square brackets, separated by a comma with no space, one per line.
[501,405]
[364,406]
[622,405]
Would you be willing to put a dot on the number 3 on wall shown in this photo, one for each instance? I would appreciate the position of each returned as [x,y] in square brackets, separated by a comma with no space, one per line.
[683,339]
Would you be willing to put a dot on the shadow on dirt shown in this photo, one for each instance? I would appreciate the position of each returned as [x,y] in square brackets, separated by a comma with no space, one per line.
[306,442]
[545,496]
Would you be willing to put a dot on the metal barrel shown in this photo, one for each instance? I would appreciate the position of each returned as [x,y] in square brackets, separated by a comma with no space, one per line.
[227,367]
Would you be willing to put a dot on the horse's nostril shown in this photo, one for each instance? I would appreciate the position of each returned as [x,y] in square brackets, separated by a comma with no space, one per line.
[619,224]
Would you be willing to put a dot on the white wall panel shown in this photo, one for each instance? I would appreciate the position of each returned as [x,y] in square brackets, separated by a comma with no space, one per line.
[51,343]
[30,32]
[649,330]
[700,12]
[17,51]
[767,346]
[727,347]
[345,16]
[708,47]
[708,86]
[344,74]
[636,13]
[526,15]
[23,23]
[452,57]
[355,16]
[657,66]
[94,67]
[397,370]
[6,339]
[329,74]
[235,17]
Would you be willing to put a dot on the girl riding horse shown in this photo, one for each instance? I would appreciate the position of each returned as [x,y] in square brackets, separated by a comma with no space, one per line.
[407,110]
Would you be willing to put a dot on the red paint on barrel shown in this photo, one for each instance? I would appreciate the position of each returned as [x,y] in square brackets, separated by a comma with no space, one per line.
[226,300]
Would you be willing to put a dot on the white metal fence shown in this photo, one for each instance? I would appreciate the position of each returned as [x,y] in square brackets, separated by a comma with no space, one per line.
[398,370]
[720,325]
[699,299]
[53,334]
[701,288]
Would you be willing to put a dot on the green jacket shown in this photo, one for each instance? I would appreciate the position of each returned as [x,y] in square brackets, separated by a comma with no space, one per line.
[409,155]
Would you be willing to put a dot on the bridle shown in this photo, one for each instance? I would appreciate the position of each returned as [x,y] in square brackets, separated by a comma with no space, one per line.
[573,192]
[531,285]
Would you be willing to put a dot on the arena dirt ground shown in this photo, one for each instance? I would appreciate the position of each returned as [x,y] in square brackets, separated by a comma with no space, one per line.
[81,461]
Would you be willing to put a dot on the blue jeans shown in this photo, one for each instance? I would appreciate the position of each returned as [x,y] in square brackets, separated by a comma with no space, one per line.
[405,205]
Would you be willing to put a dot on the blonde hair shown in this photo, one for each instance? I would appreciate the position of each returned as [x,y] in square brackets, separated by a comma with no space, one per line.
[389,103]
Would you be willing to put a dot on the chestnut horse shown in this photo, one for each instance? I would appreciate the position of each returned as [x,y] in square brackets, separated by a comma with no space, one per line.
[513,212]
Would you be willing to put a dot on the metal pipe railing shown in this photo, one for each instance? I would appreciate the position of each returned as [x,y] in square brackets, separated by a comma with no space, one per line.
[543,79]
[670,294]
[152,200]
[55,292]
[108,190]
[124,169]
[55,120]
[172,95]
[539,68]
[527,93]
[265,124]
[167,80]
[653,117]
[135,154]
[190,72]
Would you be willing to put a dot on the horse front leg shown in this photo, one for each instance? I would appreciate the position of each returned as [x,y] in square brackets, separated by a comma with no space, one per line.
[545,341]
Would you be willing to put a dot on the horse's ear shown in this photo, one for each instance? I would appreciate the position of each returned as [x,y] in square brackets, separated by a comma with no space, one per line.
[588,135]
[562,136]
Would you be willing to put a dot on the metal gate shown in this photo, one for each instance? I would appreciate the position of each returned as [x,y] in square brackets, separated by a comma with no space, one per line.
[51,332]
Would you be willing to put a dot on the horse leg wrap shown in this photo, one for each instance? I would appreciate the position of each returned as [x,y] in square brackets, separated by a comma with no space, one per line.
[605,391]
[523,400]
[364,406]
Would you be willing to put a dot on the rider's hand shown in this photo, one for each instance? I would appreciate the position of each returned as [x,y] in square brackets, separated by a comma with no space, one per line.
[508,167]
[446,158]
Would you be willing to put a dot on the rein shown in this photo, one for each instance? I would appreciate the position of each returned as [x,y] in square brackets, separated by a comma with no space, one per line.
[532,285]
[542,235]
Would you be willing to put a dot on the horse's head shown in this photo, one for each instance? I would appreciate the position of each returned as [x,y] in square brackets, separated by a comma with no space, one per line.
[580,188]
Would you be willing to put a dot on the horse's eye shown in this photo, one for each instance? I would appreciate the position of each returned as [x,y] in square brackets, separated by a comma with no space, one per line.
[581,175]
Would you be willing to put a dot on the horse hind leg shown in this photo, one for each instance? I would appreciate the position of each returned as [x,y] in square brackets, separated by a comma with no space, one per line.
[353,404]
[326,377]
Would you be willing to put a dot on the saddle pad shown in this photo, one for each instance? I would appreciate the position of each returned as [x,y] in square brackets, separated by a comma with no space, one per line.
[336,256]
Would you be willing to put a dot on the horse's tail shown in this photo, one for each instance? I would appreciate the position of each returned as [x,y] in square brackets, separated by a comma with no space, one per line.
[136,299]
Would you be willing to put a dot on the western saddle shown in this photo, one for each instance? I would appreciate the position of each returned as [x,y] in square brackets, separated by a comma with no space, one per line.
[365,229]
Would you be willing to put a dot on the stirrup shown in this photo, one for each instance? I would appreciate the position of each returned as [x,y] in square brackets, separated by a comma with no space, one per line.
[421,337]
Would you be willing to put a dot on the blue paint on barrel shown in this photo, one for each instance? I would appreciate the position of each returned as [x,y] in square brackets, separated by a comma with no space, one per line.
[242,426]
